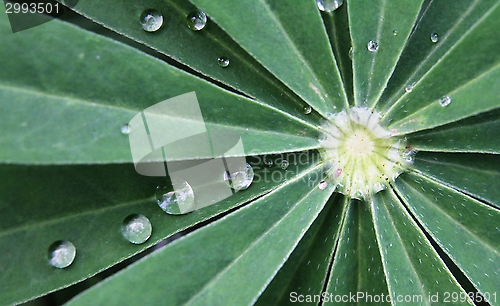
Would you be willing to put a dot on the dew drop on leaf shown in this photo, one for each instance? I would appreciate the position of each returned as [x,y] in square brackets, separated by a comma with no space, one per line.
[329,5]
[61,254]
[395,32]
[322,185]
[445,101]
[240,176]
[409,88]
[434,37]
[151,20]
[223,62]
[372,46]
[307,109]
[196,20]
[125,130]
[176,202]
[136,228]
[284,164]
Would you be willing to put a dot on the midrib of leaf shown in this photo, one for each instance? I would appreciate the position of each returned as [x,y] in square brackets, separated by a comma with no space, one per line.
[300,57]
[391,104]
[374,59]
[477,79]
[39,224]
[407,258]
[221,273]
[445,214]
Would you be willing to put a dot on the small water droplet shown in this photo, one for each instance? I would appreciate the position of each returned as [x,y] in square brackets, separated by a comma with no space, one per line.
[434,37]
[176,202]
[307,109]
[372,46]
[125,129]
[350,53]
[395,32]
[61,254]
[136,228]
[409,88]
[223,62]
[322,185]
[151,20]
[267,161]
[445,101]
[284,164]
[197,20]
[241,176]
[329,5]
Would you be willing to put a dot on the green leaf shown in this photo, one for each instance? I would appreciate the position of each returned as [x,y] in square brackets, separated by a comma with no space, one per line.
[356,255]
[474,174]
[468,68]
[198,50]
[108,83]
[466,229]
[411,265]
[210,266]
[306,269]
[474,134]
[86,206]
[290,41]
[376,21]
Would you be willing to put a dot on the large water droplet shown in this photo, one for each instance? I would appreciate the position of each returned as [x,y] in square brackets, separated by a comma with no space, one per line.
[434,37]
[307,109]
[329,5]
[151,20]
[372,46]
[445,101]
[61,254]
[409,88]
[176,202]
[223,62]
[136,228]
[196,20]
[125,129]
[240,177]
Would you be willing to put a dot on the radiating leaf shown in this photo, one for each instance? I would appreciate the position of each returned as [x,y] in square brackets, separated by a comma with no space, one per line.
[376,22]
[411,265]
[357,266]
[213,265]
[474,174]
[466,229]
[74,115]
[305,271]
[290,41]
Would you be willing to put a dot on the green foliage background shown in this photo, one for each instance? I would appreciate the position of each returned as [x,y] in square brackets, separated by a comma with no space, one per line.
[66,169]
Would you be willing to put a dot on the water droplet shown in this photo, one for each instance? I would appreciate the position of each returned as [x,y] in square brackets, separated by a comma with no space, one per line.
[136,228]
[61,254]
[395,32]
[372,46]
[445,101]
[350,53]
[176,202]
[267,161]
[434,37]
[240,176]
[284,164]
[322,185]
[409,88]
[196,20]
[307,109]
[223,62]
[329,5]
[125,129]
[151,20]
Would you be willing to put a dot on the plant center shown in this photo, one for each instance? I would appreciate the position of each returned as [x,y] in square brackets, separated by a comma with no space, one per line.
[360,156]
